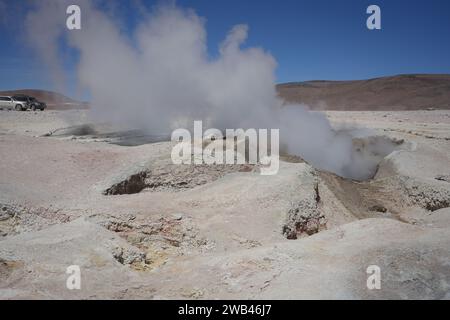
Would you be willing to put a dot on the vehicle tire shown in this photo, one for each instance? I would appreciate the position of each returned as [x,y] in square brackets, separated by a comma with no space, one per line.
[18,107]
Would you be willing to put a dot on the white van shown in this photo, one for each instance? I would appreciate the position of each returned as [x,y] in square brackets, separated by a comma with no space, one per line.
[16,103]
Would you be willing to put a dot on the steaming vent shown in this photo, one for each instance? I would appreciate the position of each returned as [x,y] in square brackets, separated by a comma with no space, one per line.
[171,80]
[369,152]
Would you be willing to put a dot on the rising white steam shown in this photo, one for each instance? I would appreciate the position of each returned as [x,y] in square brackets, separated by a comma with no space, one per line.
[162,78]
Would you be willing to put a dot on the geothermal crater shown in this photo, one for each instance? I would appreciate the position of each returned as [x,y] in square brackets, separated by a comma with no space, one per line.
[137,224]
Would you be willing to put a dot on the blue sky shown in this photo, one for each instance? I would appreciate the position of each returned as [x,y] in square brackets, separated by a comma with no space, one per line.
[320,39]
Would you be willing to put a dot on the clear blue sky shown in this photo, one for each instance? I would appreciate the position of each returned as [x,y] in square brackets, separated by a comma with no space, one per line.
[310,39]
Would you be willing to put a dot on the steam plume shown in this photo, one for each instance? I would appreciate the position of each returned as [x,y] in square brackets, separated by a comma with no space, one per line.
[162,78]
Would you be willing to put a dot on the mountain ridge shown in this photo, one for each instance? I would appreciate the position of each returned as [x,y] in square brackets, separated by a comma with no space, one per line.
[398,92]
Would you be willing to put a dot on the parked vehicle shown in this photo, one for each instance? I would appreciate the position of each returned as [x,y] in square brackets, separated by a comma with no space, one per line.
[6,103]
[36,104]
[21,103]
[18,103]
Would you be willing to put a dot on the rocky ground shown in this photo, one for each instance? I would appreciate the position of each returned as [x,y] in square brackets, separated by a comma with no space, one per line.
[140,227]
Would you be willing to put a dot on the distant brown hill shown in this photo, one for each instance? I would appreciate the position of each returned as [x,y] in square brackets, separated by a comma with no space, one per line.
[52,99]
[402,92]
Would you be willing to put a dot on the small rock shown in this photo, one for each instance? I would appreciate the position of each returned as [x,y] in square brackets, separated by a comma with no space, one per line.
[443,177]
[177,216]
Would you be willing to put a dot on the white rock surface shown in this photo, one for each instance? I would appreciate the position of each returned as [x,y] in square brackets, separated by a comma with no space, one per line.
[219,232]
